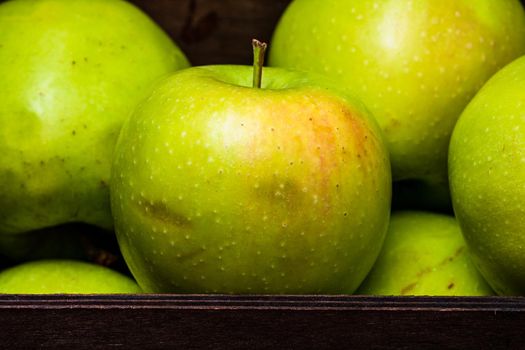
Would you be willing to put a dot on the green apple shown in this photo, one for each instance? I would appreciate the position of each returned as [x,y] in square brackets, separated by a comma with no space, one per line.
[221,187]
[487,178]
[415,64]
[64,277]
[71,71]
[424,254]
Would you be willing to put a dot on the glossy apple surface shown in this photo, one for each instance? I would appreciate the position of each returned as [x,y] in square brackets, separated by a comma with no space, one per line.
[64,277]
[70,73]
[424,254]
[487,178]
[415,64]
[220,187]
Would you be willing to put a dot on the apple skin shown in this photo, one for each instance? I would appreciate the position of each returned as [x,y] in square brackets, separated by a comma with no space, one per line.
[487,178]
[64,277]
[218,187]
[415,64]
[70,73]
[424,254]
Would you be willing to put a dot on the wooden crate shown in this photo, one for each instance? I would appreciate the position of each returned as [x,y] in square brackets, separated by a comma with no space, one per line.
[251,322]
[216,31]
[219,31]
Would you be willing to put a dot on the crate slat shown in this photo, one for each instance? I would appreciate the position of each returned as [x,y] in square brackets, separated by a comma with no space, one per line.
[240,322]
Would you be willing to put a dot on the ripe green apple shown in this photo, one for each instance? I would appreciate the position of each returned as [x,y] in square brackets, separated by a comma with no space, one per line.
[71,71]
[415,64]
[424,254]
[487,178]
[64,277]
[221,187]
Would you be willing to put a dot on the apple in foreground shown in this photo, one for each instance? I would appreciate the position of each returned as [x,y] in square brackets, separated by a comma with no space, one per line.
[221,187]
[415,64]
[64,277]
[70,74]
[487,178]
[424,254]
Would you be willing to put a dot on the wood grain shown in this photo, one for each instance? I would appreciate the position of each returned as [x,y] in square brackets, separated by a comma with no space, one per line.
[216,31]
[250,322]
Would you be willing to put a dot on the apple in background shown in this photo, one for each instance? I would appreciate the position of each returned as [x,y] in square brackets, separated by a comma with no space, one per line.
[70,74]
[219,187]
[487,178]
[424,254]
[64,277]
[415,64]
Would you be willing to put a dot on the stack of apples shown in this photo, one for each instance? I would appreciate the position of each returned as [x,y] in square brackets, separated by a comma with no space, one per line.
[382,152]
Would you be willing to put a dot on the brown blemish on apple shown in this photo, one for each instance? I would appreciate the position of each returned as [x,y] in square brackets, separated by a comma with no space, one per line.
[408,288]
[159,211]
[442,263]
[392,126]
[456,254]
[191,255]
[428,270]
[281,190]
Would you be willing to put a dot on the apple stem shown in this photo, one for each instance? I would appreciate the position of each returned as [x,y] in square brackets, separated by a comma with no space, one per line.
[259,50]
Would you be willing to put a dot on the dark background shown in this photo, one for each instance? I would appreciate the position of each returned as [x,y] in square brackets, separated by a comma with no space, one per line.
[216,31]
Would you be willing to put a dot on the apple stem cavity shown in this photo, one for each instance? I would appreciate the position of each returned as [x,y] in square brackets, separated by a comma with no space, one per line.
[259,50]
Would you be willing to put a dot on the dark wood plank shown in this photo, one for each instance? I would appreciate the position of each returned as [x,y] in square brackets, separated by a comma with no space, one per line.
[281,322]
[216,31]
